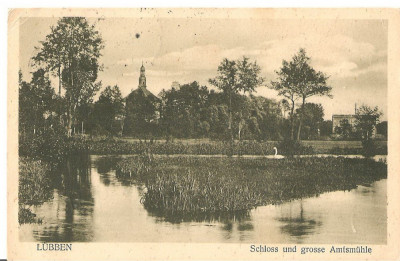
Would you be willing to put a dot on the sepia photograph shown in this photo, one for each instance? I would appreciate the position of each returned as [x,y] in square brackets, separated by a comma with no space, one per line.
[196,126]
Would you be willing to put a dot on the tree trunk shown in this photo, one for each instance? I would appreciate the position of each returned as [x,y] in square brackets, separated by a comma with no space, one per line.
[291,121]
[301,118]
[230,116]
[59,80]
[69,121]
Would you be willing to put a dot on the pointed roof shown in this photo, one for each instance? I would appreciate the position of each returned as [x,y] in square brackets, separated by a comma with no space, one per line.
[146,93]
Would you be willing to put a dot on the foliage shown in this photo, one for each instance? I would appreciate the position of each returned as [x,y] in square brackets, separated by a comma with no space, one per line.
[50,146]
[71,52]
[297,79]
[326,128]
[183,111]
[312,120]
[36,103]
[290,148]
[366,120]
[141,114]
[108,112]
[344,129]
[33,187]
[234,77]
[382,128]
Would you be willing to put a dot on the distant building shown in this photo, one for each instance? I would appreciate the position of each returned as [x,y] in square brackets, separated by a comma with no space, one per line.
[142,87]
[175,85]
[142,110]
[337,119]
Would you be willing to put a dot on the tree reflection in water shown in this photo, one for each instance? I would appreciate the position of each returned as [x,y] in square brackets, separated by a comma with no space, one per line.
[105,166]
[297,224]
[221,217]
[74,210]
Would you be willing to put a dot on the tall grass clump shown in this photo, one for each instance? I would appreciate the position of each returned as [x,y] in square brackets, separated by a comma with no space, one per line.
[33,188]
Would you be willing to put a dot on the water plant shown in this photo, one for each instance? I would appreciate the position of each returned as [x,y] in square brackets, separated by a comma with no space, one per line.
[33,187]
[183,185]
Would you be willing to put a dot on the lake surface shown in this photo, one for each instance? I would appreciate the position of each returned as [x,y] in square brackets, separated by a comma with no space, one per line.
[101,206]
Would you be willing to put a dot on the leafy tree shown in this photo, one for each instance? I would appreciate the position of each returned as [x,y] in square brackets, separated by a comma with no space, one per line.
[382,128]
[141,114]
[36,102]
[109,110]
[312,119]
[284,106]
[326,128]
[366,120]
[297,79]
[286,87]
[234,77]
[71,52]
[218,118]
[265,121]
[344,129]
[183,110]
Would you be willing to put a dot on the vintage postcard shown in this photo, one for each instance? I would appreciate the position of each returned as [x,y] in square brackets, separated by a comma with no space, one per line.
[203,134]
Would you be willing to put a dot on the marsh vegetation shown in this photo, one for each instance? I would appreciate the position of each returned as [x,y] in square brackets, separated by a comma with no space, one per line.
[195,185]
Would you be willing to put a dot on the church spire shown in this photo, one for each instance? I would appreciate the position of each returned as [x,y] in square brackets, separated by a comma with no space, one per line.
[142,78]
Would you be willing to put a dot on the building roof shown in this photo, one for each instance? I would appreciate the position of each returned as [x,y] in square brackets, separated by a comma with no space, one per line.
[146,93]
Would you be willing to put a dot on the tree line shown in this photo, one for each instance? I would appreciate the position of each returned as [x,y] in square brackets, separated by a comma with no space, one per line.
[229,111]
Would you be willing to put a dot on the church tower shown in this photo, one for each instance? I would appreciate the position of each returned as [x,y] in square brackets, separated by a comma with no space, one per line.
[142,78]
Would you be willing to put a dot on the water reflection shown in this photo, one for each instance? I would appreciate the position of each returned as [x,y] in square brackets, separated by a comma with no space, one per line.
[221,217]
[296,223]
[92,202]
[68,216]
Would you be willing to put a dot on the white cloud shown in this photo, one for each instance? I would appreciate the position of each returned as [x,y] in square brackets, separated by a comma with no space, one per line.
[338,56]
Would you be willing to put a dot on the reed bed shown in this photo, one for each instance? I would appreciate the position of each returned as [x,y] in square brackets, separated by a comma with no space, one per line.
[173,148]
[33,187]
[209,185]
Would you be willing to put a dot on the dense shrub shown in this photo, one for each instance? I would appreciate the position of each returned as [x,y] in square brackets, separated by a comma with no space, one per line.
[370,148]
[33,187]
[50,146]
[289,147]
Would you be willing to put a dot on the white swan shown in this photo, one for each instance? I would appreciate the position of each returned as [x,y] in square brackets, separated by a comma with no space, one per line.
[276,156]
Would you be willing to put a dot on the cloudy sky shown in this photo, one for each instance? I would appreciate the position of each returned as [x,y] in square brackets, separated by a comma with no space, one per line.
[352,52]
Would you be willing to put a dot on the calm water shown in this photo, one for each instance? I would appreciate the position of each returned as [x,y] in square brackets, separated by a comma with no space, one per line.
[101,206]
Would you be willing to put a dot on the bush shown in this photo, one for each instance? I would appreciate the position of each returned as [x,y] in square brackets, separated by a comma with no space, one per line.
[33,187]
[369,148]
[50,146]
[25,215]
[289,147]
